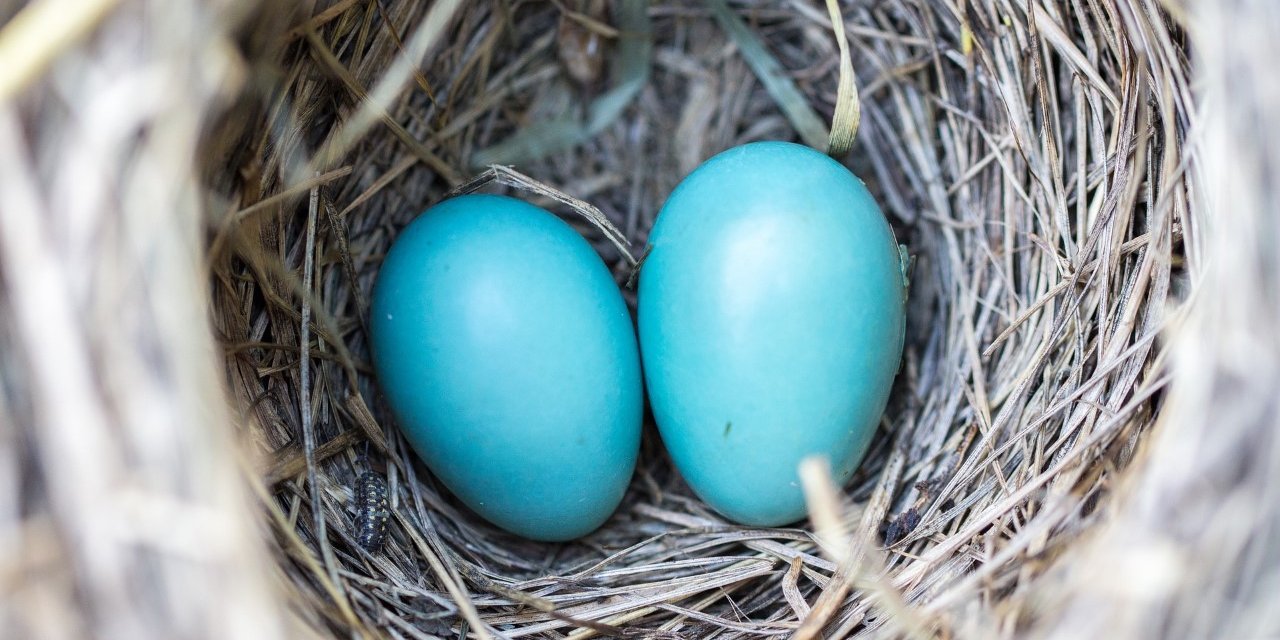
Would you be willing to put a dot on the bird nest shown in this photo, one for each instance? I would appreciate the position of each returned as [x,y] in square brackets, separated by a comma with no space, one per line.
[1031,156]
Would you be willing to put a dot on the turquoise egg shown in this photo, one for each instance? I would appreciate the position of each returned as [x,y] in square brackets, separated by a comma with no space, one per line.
[509,359]
[771,312]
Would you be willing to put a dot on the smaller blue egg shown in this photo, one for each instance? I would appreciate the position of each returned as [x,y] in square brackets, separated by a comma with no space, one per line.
[509,359]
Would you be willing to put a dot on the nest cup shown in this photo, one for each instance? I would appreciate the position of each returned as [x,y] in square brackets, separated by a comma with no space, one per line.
[1033,158]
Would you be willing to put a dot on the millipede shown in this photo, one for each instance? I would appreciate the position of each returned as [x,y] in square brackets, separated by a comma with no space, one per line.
[372,511]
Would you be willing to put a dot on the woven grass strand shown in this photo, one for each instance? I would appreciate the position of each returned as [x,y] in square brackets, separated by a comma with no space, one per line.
[848,110]
[33,39]
[772,75]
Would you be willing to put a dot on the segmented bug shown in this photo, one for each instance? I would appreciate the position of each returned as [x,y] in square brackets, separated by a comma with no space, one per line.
[372,511]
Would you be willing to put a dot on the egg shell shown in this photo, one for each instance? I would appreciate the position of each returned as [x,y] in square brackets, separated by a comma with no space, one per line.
[509,359]
[771,316]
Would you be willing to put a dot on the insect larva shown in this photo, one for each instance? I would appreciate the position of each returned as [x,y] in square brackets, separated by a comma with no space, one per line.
[372,512]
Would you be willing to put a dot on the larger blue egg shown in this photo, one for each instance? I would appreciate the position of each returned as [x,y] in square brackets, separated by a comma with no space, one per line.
[771,312]
[509,359]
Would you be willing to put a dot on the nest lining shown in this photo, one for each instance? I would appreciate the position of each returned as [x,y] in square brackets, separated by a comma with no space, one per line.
[1029,160]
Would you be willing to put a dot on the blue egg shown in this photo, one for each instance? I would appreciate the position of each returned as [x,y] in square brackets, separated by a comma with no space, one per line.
[509,359]
[771,312]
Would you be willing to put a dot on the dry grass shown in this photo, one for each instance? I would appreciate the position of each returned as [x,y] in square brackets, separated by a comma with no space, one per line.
[1036,157]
